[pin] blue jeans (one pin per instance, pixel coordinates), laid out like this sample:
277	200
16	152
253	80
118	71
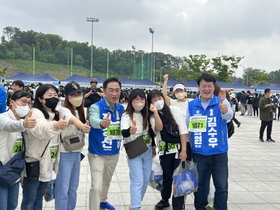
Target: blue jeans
9	197
139	172
33	193
67	181
217	166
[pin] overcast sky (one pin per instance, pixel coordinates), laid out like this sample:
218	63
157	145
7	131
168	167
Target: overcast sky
248	28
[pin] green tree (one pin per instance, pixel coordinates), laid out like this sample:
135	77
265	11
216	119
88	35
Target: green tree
224	66
3	72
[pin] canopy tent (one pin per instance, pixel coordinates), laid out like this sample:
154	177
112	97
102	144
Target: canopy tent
236	86
261	87
83	81
2	78
137	83
28	78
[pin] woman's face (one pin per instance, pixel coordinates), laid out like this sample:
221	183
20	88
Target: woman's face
156	98
138	99
23	101
77	94
50	93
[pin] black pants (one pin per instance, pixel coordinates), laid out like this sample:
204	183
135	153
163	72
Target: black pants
169	164
265	124
256	111
278	113
234	119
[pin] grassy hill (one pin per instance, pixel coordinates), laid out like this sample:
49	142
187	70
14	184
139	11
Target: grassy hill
56	70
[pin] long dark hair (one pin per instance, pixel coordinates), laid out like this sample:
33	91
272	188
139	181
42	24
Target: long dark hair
40	94
80	109
165	113
144	112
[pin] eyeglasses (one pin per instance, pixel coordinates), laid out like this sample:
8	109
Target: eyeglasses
25	102
93	82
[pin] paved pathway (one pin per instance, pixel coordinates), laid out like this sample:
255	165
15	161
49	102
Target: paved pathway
254	180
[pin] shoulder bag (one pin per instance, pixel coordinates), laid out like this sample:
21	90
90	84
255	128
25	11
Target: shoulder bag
74	142
135	147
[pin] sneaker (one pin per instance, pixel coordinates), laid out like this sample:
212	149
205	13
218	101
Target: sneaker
261	139
106	205
270	140
238	125
162	205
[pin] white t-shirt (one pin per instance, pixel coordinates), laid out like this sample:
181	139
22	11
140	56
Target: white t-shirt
71	129
181	105
126	122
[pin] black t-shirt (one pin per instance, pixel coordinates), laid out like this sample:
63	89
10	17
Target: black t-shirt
250	99
93	97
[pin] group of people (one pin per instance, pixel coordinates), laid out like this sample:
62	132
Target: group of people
43	130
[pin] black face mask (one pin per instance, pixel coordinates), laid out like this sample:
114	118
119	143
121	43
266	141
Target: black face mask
51	102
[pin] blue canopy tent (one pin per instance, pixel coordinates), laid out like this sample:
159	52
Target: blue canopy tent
137	83
236	86
83	81
261	87
28	78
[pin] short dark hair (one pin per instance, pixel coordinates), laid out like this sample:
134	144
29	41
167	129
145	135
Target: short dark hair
18	82
19	94
266	90
112	79
206	77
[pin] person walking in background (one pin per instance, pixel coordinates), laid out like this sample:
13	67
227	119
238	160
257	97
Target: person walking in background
11	126
170	154
266	116
234	106
210	142
255	105
136	122
249	102
275	105
17	85
67	180
243	99
38	141
104	143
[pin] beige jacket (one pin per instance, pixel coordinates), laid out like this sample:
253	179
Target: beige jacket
36	140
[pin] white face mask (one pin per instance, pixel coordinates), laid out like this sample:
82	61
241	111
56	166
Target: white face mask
76	101
138	106
180	95
159	104
22	110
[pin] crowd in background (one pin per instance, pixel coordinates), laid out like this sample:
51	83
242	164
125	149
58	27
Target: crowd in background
31	118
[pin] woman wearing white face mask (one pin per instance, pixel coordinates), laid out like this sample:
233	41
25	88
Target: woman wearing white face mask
181	100
170	154
11	126
137	122
67	179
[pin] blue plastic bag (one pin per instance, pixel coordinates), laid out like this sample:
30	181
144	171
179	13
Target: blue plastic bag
185	178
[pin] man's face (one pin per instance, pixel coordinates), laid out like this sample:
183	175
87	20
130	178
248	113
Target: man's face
16	87
206	90
93	84
112	92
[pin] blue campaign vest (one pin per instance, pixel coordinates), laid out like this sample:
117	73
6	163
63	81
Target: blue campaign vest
99	142
215	139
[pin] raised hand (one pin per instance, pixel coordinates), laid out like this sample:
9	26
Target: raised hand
153	108
222	94
106	121
166	77
61	124
86	127
133	128
223	107
29	122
